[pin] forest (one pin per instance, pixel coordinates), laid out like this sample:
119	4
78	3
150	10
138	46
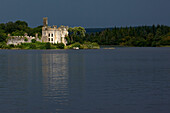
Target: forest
142	36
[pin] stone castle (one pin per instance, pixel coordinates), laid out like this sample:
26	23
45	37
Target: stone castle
49	34
54	34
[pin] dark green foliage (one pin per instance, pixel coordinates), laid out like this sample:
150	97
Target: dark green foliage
10	27
48	46
32	46
18	28
76	34
77	44
89	45
85	45
11	46
60	46
33	31
143	36
68	40
25	39
21	23
33	40
3	36
3	45
18	33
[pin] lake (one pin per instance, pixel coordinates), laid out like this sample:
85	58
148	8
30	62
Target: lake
121	80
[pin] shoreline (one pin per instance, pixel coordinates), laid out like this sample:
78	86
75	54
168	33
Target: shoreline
110	48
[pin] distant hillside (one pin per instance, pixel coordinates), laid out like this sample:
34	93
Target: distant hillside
94	30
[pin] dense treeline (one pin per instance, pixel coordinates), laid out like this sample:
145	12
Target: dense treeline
143	36
18	28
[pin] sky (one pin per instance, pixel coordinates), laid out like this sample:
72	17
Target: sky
87	13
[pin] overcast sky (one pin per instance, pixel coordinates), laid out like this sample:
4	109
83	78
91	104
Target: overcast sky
87	13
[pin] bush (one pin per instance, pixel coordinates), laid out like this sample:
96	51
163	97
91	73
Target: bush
95	45
33	40
60	46
11	46
48	45
26	39
32	46
77	44
2	45
42	47
89	45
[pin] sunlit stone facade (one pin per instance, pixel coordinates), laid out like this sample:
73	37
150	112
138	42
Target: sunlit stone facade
53	34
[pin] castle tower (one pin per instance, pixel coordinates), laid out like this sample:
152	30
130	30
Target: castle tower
45	21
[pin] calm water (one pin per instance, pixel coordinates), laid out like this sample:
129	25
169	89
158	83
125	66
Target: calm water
123	80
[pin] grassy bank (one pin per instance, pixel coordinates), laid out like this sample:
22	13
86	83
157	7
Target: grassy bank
39	45
85	45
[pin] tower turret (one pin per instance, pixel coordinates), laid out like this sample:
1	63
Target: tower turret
45	21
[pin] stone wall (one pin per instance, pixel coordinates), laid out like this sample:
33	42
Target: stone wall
20	39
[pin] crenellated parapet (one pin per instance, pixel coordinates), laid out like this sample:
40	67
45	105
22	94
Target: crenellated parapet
21	39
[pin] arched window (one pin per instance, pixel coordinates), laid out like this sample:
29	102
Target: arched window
49	34
51	39
48	39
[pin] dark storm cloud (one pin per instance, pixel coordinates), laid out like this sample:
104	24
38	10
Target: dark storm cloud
87	13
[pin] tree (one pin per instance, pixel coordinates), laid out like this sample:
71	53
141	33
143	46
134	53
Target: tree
21	23
77	34
18	33
2	26
3	36
10	27
33	40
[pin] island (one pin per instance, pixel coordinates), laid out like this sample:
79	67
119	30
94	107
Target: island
17	35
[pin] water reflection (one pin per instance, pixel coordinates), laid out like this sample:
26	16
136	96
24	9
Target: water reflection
55	78
85	81
40	82
63	79
20	78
